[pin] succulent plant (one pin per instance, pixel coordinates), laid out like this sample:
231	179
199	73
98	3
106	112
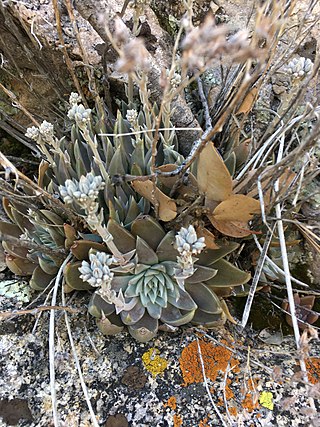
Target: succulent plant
142	275
163	285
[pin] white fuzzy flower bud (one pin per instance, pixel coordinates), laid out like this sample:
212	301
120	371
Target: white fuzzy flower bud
300	67
33	133
46	130
97	273
79	114
132	116
74	98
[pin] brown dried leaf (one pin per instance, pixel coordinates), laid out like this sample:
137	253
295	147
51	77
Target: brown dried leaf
209	238
213	177
231	228
167	206
237	208
248	102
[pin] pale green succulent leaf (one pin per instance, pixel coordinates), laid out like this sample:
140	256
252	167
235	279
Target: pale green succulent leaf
149	230
124	240
166	250
144	253
98	305
154	310
210	256
208	320
205	298
228	275
72	277
173	316
145	329
47	265
134	315
184	302
201	274
40	280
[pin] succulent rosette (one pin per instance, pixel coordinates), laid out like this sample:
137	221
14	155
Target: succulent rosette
170	280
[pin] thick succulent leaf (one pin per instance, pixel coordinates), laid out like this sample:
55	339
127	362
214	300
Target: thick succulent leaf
175	317
213	177
228	275
72	277
167	208
57	237
124	240
149	230
116	166
170	267
137	157
154	310
120	282
98	305
132	212
208	320
231	228
166	250
52	217
145	254
145	329
205	298
8	229
20	266
47	265
108	328
134	315
40	280
209	257
15	250
242	152
237	208
184	302
202	274
22	220
80	249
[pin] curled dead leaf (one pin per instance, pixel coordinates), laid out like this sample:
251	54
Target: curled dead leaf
167	206
213	177
231	228
237	208
209	238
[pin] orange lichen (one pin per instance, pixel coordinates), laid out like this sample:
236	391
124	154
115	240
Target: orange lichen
313	368
215	359
250	402
233	411
177	420
204	422
171	403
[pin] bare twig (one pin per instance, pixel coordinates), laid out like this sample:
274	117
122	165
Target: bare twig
77	362
51	343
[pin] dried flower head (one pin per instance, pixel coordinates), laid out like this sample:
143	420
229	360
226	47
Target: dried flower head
208	42
135	56
121	32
